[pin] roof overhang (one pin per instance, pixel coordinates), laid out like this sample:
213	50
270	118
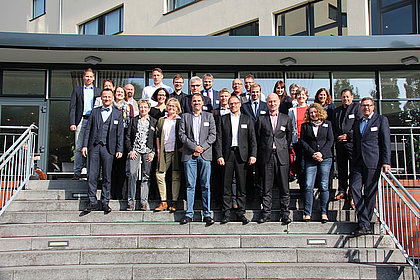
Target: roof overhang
207	50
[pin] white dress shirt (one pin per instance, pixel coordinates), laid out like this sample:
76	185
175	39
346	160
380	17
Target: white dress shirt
235	127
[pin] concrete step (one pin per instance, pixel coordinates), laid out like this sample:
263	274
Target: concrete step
173	228
149	216
59	200
217	255
186	241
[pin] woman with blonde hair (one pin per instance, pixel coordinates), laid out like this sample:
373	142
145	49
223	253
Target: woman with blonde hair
317	138
168	148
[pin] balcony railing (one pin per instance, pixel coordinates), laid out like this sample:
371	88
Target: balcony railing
405	156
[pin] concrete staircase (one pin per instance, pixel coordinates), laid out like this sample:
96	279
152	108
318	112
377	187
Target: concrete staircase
44	235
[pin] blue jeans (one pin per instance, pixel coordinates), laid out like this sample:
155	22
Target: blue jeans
204	167
322	169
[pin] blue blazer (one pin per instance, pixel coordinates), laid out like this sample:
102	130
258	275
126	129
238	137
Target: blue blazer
115	137
216	101
77	103
374	147
247	110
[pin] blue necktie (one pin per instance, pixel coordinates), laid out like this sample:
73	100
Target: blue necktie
363	126
255	108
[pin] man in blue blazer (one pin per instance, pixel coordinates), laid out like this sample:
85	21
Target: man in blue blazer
197	132
371	154
104	140
255	107
81	104
208	90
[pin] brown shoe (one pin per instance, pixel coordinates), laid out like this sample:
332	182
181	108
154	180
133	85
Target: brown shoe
162	206
235	206
75	177
339	196
130	208
352	203
173	207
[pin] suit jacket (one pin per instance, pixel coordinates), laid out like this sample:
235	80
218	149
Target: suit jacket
248	110
285	105
115	135
207	135
282	137
130	137
187	107
351	115
178	97
247	143
77	103
374	147
321	143
216	101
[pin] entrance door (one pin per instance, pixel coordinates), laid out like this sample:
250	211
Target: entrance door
16	112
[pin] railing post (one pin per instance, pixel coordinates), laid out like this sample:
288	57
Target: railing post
380	204
413	155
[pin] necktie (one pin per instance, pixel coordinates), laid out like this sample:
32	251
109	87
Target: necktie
105	109
208	93
363	126
255	108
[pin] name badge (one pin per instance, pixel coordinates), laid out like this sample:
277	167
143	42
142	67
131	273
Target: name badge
374	128
115	121
351	116
282	128
217	101
325	125
205	108
206	124
244	125
263	112
152	128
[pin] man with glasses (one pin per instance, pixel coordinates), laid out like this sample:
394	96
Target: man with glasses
248	81
178	82
371	154
195	87
237	87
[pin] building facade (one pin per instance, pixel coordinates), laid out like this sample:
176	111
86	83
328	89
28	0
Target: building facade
333	44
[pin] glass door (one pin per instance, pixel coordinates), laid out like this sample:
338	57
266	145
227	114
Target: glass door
16	112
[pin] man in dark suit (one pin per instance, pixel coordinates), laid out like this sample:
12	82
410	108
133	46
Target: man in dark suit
209	91
197	132
178	82
237	87
195	87
223	108
236	147
255	106
274	135
371	154
81	105
342	121
104	140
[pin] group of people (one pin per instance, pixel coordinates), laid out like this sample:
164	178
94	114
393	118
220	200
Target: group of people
277	137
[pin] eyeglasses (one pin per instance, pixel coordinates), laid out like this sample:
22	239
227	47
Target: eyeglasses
195	85
367	105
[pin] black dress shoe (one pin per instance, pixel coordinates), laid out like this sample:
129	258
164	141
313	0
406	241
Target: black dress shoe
208	220
243	219
106	209
185	220
362	231
225	220
91	207
286	220
263	220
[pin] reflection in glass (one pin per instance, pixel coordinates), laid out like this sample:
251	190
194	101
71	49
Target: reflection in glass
310	80
91	28
402	113
292	22
23	82
400	84
121	78
325	12
112	22
361	84
398	21
63	82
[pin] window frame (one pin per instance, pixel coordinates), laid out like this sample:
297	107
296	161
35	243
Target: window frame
102	23
172	2
255	25
34	15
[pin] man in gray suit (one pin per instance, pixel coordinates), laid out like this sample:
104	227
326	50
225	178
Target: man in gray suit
197	132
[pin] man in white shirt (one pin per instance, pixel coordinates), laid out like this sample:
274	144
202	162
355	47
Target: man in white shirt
129	88
157	76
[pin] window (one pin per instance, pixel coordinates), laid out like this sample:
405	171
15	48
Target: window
176	4
38	8
249	29
393	17
23	82
108	24
312	81
362	84
320	18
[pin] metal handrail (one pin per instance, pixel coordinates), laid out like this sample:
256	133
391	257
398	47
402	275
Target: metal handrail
16	166
399	214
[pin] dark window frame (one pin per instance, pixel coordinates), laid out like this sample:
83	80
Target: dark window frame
172	3
101	22
34	15
340	23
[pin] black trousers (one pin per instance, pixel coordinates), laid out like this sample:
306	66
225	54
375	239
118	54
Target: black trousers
99	156
271	170
118	176
364	187
234	166
344	156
